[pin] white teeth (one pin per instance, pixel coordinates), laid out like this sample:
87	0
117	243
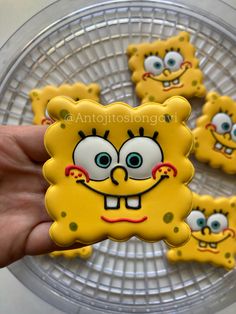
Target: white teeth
111	202
202	244
176	81
228	151
133	202
166	83
213	245
218	145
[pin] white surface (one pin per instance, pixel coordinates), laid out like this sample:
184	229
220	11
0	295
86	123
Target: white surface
14	297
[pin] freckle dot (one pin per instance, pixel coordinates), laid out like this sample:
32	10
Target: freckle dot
198	87
176	229
179	253
197	145
63	214
167	117
233	205
168	217
151	98
181	39
134	50
227	255
194	83
73	226
63	126
63	113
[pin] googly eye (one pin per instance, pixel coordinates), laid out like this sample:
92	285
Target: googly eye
139	155
222	122
233	133
154	65
173	60
96	155
217	222
196	220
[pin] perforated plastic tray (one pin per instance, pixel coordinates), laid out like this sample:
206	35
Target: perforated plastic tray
89	44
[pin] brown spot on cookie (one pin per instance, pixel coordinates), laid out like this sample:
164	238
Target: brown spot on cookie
168	217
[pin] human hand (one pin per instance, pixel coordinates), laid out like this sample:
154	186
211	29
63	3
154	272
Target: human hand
24	222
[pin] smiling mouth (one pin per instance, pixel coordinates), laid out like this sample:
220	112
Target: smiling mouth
206	246
168	84
131	201
226	151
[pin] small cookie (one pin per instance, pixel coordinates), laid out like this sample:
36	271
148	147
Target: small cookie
83	253
41	97
213	225
215	134
113	169
165	68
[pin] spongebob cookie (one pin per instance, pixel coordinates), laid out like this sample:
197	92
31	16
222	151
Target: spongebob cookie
117	171
213	225
41	97
215	134
165	68
83	253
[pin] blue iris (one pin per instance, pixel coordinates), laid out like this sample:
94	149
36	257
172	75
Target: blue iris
134	160
171	62
201	222
103	160
157	65
225	126
215	225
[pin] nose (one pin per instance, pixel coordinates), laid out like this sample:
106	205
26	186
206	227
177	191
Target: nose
206	230
166	71
118	175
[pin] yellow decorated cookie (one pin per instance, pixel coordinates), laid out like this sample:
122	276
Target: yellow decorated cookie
84	253
165	68
41	97
213	225
117	171
215	134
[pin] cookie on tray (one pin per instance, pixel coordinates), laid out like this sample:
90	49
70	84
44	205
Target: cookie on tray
215	133
41	97
166	68
213	229
117	171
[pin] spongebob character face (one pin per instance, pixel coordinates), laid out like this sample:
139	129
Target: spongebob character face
215	135
41	97
213	225
112	171
165	68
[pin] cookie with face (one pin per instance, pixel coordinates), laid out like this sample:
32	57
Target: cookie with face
166	68
83	253
213	229
215	133
117	171
41	97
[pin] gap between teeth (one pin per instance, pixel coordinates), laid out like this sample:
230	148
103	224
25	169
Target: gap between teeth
204	244
113	202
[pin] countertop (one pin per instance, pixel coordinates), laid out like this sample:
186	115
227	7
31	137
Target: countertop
14	297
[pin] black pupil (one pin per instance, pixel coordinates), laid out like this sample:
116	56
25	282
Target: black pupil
104	160
134	160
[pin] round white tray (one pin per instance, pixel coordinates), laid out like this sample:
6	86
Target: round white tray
89	44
